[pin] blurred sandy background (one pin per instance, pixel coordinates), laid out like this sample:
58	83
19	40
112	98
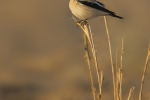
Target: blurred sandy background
42	55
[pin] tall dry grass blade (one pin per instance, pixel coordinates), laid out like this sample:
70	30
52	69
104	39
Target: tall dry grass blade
130	93
117	83
116	60
89	66
119	79
116	73
122	52
101	83
144	73
94	53
87	30
111	59
121	66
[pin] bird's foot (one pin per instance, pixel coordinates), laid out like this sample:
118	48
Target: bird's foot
82	22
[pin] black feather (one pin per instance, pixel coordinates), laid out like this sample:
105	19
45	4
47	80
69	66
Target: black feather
96	6
113	15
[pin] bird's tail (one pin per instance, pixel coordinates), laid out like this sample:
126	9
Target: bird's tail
114	15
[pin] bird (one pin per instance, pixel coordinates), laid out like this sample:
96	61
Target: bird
87	9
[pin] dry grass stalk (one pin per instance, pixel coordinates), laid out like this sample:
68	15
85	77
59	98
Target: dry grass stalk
87	55
87	30
119	74
116	61
144	73
93	49
101	83
130	93
118	90
120	70
111	59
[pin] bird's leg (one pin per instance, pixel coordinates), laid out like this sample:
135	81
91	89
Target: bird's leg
78	22
82	22
85	22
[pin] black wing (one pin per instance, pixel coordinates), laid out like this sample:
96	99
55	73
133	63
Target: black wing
96	5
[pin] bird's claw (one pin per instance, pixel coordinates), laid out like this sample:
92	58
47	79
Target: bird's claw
82	22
